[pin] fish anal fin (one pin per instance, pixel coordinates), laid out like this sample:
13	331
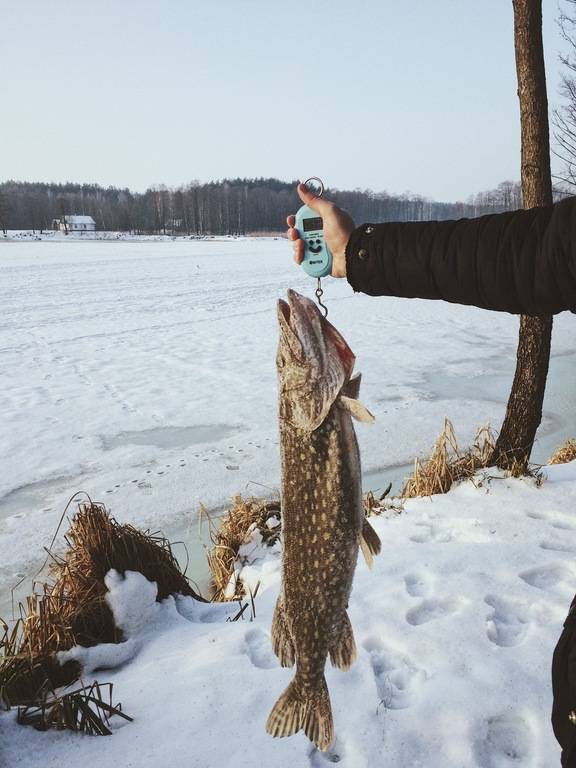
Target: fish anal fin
356	409
370	543
282	644
343	648
294	711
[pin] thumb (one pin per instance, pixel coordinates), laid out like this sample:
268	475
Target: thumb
317	204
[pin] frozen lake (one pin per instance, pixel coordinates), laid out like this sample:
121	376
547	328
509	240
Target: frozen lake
143	373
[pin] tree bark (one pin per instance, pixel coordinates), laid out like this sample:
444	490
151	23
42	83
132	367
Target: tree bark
524	409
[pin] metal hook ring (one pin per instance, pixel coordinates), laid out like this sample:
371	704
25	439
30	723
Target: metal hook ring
319	293
316	178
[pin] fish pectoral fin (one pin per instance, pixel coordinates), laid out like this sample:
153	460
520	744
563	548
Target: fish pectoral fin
312	713
282	644
343	648
356	409
370	543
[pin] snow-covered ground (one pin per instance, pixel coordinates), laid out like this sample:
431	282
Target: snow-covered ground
143	373
455	628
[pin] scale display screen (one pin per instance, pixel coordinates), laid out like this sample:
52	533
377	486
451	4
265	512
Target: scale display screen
312	225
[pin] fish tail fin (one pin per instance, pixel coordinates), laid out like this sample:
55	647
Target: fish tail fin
370	543
282	644
295	710
343	649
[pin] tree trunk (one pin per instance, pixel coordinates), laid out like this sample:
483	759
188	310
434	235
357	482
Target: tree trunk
524	409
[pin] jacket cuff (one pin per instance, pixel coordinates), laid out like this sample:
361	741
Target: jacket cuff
361	261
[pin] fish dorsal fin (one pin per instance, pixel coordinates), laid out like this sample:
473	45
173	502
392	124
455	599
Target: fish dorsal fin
356	409
352	387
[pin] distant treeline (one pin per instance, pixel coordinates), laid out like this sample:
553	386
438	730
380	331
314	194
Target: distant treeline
228	207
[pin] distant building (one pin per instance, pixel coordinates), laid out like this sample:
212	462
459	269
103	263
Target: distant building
74	224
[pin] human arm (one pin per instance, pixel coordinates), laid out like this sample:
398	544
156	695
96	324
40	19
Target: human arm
519	261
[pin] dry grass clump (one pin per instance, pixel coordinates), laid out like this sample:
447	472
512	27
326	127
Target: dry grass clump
84	709
565	453
448	464
235	528
71	608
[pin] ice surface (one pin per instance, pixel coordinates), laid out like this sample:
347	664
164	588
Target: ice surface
143	373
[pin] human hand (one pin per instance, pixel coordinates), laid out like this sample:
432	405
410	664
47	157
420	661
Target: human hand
338	226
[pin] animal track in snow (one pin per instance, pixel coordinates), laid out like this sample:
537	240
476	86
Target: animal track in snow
508	625
430	533
504	741
418	584
397	678
546	576
259	649
431	609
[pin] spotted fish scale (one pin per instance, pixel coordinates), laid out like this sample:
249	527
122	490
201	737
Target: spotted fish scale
323	522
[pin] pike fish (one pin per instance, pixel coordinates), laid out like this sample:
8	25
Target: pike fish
323	522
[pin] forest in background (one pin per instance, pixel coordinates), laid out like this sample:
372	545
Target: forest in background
227	207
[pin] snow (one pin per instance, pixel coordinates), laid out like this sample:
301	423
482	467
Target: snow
455	628
79	219
142	372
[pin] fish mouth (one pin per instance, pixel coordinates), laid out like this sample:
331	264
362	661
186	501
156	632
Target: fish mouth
295	307
307	330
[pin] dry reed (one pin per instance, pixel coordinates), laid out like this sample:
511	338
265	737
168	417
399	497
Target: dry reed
71	609
235	529
565	453
380	505
84	709
448	464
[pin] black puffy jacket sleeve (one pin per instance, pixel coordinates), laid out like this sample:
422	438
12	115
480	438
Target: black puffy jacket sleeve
520	261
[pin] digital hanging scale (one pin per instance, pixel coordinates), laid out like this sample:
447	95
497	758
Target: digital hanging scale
310	227
317	257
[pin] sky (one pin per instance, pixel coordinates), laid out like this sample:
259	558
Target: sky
391	95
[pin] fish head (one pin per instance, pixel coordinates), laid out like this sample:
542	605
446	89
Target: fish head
314	362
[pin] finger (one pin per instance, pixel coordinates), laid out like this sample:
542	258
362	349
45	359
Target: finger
298	249
317	204
291	220
292	234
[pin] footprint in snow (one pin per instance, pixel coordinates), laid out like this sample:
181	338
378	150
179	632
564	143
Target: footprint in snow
431	609
213	613
335	754
555	519
555	545
546	576
563	523
504	741
259	649
430	533
418	584
398	680
344	751
509	622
